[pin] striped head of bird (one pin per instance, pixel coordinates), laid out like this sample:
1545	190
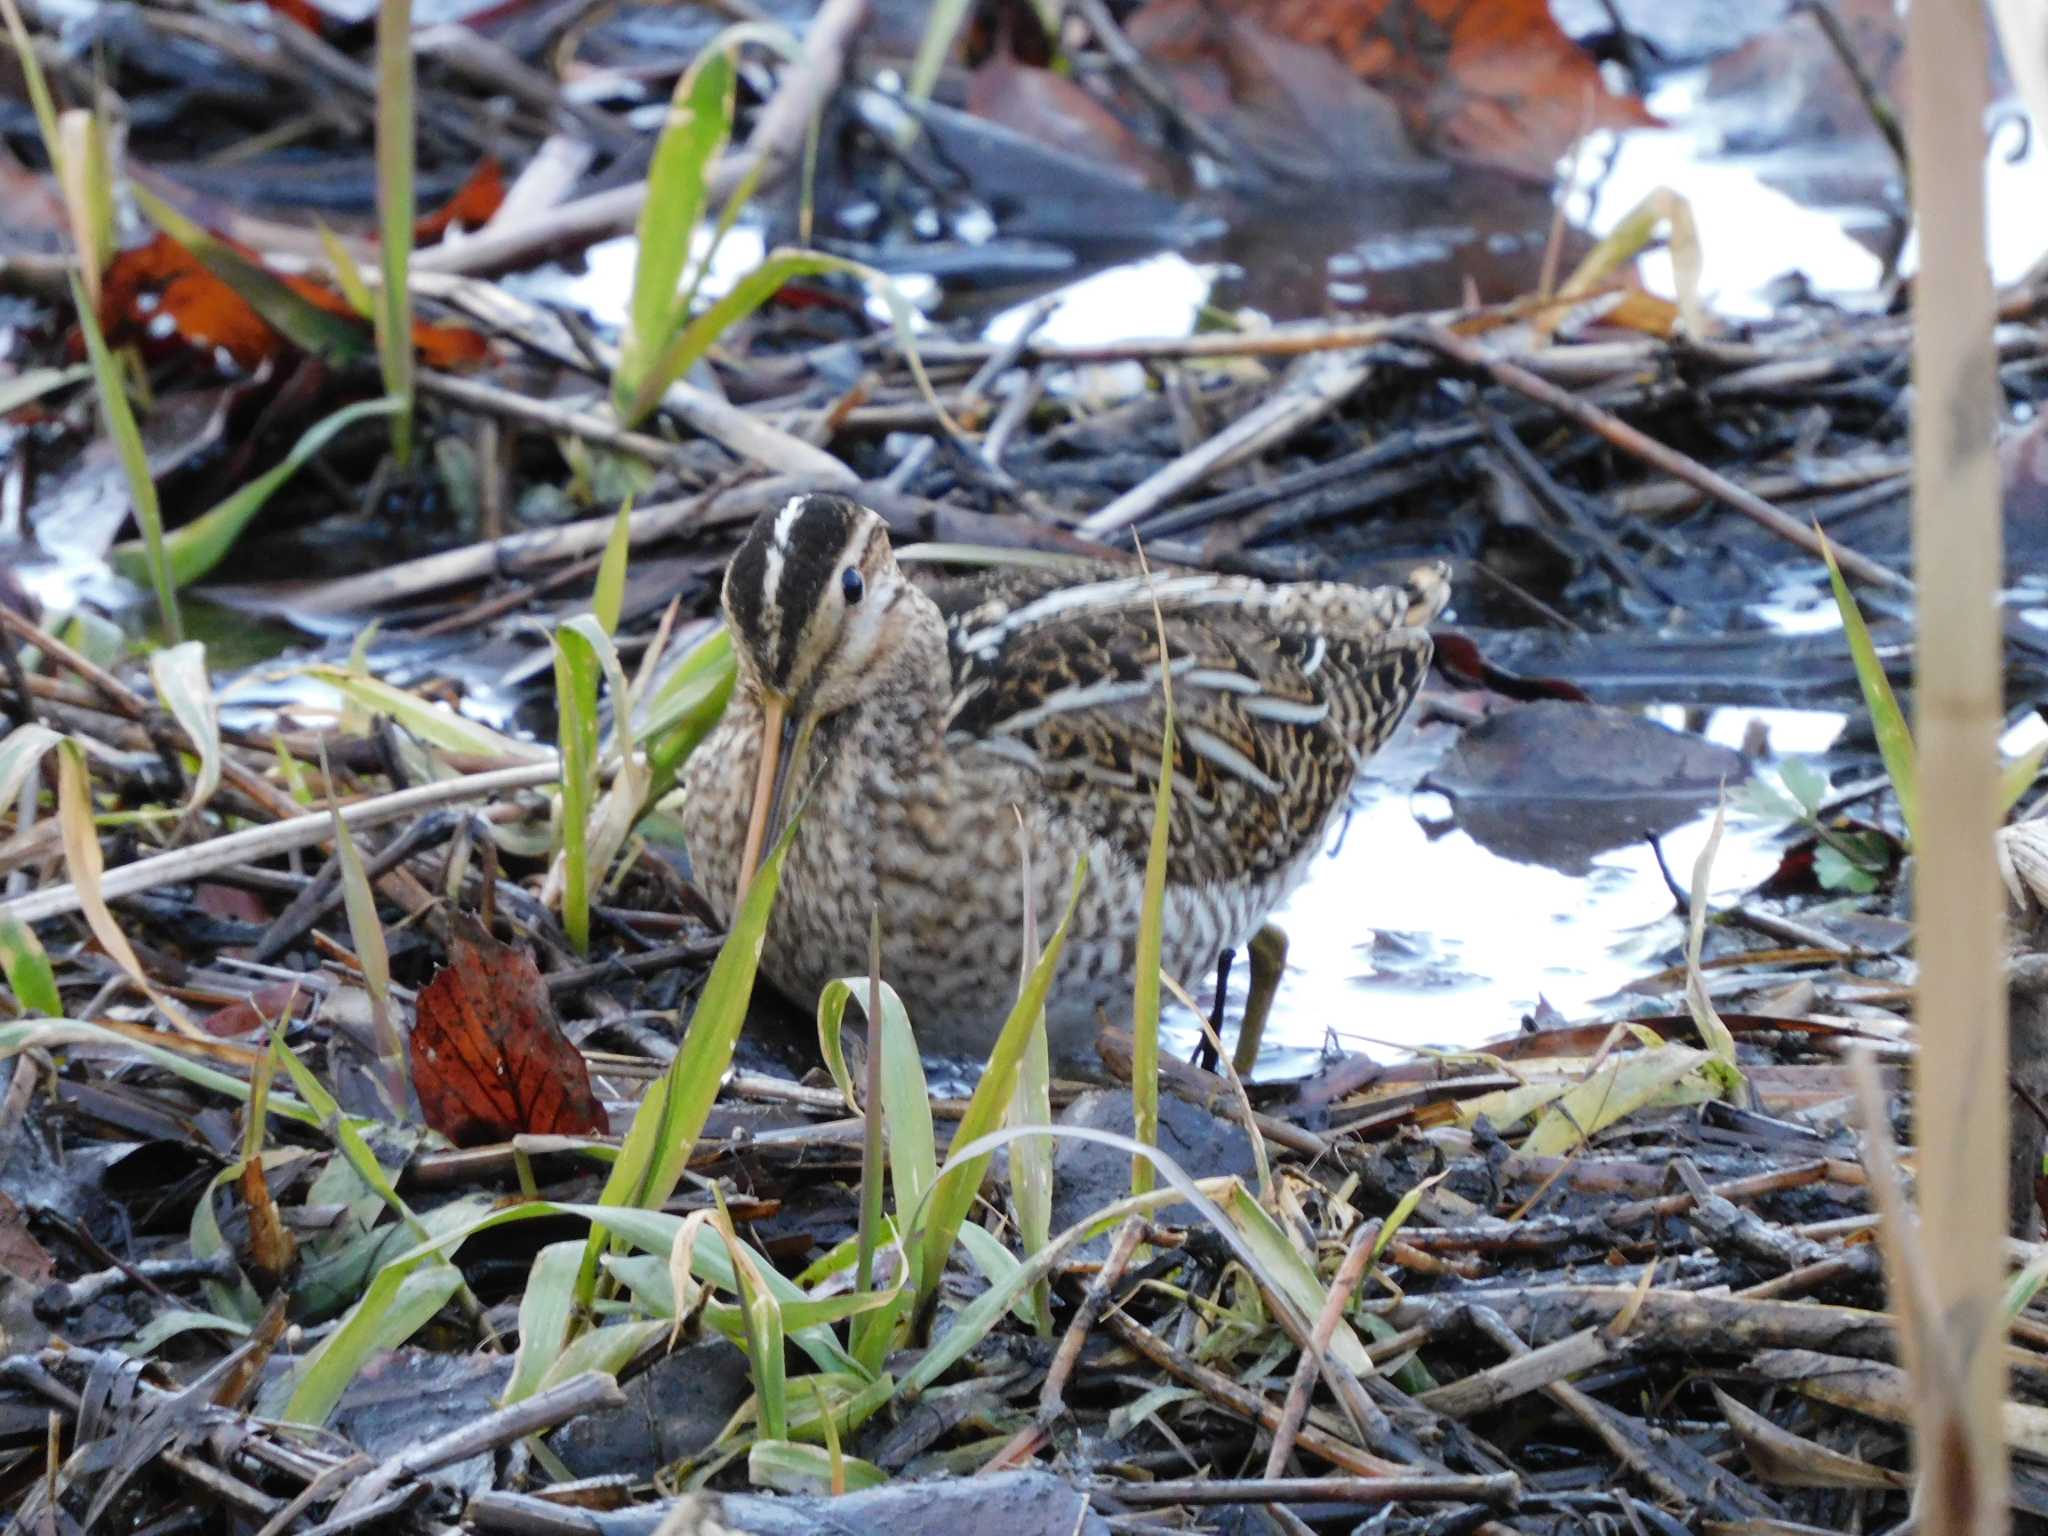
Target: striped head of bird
818	610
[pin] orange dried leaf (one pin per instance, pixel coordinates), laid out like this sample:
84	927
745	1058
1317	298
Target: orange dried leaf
472	206
489	1061
161	296
1498	84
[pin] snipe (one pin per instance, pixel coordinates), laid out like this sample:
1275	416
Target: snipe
938	718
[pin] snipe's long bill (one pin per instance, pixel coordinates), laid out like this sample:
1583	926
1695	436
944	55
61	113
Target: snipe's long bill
942	722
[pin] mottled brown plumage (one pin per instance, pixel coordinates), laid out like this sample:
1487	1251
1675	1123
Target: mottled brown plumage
964	717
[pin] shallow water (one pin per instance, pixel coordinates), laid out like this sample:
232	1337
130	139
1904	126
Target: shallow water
1410	933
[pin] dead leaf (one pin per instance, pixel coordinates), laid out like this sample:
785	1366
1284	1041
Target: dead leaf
472	206
1498	84
20	1254
489	1061
159	296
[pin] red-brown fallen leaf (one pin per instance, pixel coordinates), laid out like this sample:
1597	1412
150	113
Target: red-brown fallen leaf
20	1254
159	295
472	205
1496	84
299	11
1059	114
488	1059
259	1010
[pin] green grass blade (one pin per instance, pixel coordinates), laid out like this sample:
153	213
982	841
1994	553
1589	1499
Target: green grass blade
184	687
120	420
608	1350
684	708
695	339
1282	1268
906	1100
2013	782
545	1311
1145	990
609	598
952	1196
790	1466
347	1139
576	673
400	1301
58	1033
432	723
337	338
1887	720
38	85
200	545
372	954
657	1147
941	31
396	151
27	967
348	277
972	1323
699	123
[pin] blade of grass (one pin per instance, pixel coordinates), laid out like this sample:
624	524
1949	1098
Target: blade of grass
698	124
694	340
200	545
971	1324
366	929
27	968
1887	720
348	277
1151	929
87	866
788	1466
609	597
21	752
546	1308
576	674
120	424
671	1117
1704	1016
184	687
950	1200
1031	1158
60	1033
684	708
396	151
941	31
897	1089
38	86
88	185
430	722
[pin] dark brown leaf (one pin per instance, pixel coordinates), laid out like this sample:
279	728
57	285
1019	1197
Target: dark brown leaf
489	1060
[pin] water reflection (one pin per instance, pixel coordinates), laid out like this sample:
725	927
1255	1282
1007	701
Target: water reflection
1412	934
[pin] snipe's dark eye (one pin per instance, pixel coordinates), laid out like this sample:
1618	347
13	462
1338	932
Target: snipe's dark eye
851	584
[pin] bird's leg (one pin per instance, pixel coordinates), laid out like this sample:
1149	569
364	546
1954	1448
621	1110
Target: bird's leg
1205	1053
1268	955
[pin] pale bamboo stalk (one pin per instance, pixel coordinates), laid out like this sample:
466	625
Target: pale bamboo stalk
1959	1077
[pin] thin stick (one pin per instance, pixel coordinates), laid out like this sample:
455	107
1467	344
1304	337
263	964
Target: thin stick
183	864
1657	455
1295	1409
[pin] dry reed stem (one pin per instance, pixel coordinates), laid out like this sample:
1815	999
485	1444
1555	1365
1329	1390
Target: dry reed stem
1960	1077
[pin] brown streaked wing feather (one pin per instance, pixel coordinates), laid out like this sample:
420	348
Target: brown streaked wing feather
1275	712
